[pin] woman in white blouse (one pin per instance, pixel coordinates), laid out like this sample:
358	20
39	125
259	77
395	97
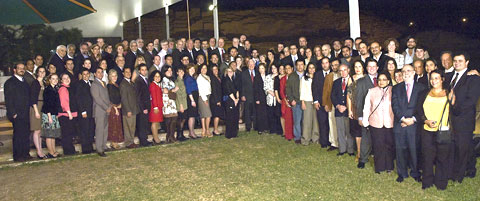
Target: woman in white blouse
204	91
391	45
269	87
310	124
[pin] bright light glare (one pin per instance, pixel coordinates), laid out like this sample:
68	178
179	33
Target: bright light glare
211	7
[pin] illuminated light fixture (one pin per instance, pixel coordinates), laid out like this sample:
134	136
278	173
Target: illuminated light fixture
211	7
410	24
464	19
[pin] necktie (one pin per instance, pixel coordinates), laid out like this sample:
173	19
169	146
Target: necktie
103	84
343	84
146	81
409	88
454	82
375	83
251	75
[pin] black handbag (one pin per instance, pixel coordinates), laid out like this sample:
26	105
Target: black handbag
444	136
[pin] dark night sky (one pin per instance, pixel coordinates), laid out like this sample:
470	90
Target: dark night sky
426	14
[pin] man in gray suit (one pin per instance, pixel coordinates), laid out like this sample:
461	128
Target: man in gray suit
101	108
363	85
130	107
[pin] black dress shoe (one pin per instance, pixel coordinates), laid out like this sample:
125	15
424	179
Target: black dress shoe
324	146
41	158
351	154
425	187
417	179
399	179
102	154
340	154
149	144
471	174
361	165
332	148
298	141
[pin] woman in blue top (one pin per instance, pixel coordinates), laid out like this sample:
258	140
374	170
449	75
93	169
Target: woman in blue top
192	98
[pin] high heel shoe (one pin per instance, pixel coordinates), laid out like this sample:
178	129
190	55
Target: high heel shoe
192	136
41	158
50	156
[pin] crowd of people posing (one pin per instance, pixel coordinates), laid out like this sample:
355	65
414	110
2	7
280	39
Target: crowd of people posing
405	109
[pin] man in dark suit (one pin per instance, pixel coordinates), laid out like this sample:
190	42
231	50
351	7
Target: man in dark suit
148	55
177	55
17	96
57	59
132	55
85	104
190	52
317	92
420	75
291	60
220	51
120	61
143	100
465	93
293	96
79	58
378	55
247	95
349	43
130	108
363	85
339	101
212	45
236	44
404	100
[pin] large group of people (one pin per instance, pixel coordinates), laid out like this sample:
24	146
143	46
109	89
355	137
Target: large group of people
405	109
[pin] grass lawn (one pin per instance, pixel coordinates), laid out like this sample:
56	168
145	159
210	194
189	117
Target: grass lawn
250	167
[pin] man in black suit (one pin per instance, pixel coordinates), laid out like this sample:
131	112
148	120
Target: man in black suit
132	55
143	100
148	55
349	43
292	59
317	92
212	45
247	95
177	55
378	55
190	52
337	49
120	61
85	120
17	96
420	75
236	44
220	51
363	85
404	100
57	59
465	93
79	58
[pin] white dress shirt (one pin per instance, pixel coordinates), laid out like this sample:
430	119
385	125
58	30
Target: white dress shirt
204	87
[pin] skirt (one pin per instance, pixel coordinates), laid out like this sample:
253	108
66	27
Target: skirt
36	124
355	128
217	111
115	132
204	109
50	130
192	111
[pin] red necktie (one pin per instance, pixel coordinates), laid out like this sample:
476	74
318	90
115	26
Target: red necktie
343	84
375	82
251	75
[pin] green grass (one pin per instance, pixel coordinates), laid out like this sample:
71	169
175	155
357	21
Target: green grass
250	167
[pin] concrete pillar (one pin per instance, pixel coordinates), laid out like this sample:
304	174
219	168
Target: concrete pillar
139	26
215	20
354	18
167	22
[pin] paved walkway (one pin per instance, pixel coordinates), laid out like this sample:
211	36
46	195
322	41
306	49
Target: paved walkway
6	132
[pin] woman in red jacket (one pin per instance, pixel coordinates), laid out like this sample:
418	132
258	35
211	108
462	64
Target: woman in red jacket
156	115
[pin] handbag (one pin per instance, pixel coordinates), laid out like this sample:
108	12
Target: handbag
172	95
444	136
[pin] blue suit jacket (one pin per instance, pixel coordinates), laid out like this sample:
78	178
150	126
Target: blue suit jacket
402	108
338	97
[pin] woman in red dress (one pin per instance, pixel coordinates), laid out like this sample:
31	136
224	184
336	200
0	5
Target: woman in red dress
156	105
286	110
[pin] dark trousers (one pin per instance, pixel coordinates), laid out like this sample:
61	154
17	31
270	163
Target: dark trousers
249	115
365	145
67	128
21	138
323	127
86	127
261	115
231	119
406	148
142	128
179	125
463	142
437	155
383	148
274	120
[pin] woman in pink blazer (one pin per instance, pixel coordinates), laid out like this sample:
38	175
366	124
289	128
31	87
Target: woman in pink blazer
378	117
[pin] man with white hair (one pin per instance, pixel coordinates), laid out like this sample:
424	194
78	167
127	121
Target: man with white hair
58	59
132	55
163	51
236	44
140	45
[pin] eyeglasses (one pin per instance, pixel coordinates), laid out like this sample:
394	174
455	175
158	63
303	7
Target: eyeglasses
407	71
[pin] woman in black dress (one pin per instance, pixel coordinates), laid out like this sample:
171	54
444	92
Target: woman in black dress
192	98
260	99
115	131
216	99
230	94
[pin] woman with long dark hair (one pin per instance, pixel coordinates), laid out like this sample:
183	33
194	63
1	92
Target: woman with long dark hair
269	87
169	106
36	100
192	93
309	123
357	72
156	104
204	93
260	99
231	100
216	106
67	114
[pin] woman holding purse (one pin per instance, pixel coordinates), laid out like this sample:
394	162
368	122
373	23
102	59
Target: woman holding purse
169	105
433	110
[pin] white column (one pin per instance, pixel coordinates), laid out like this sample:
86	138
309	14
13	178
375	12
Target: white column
139	26
215	20
167	22
354	18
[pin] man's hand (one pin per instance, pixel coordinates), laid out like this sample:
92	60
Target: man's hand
129	114
244	99
317	106
84	115
145	111
294	103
